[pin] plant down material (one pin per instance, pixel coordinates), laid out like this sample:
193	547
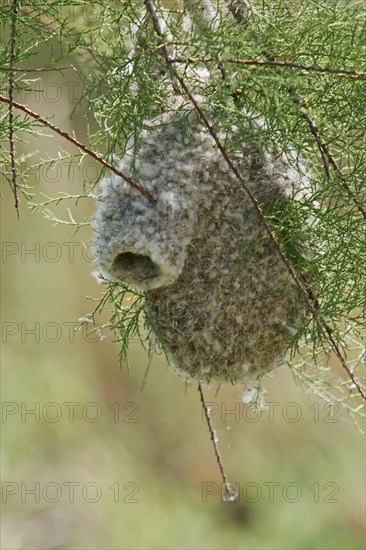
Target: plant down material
219	298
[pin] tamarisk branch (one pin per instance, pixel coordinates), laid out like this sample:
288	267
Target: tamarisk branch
80	145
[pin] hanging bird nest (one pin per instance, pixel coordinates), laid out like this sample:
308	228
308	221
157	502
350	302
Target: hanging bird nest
219	300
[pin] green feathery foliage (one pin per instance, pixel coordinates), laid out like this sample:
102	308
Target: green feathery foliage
316	117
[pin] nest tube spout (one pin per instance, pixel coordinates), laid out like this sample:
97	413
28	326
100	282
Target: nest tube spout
137	244
135	268
144	268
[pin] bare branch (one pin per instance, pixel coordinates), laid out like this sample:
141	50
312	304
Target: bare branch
38	70
310	68
230	495
353	73
81	146
146	374
164	48
327	158
271	61
11	104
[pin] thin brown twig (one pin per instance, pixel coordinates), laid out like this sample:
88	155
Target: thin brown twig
274	239
146	374
326	156
307	297
314	130
342	179
81	146
324	151
353	73
326	159
164	48
11	104
39	70
228	491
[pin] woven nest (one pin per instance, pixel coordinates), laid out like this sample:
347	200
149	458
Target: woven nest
220	300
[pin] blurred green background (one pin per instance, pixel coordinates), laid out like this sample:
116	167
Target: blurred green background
102	465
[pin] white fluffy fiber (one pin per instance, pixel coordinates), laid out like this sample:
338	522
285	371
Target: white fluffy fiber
224	306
